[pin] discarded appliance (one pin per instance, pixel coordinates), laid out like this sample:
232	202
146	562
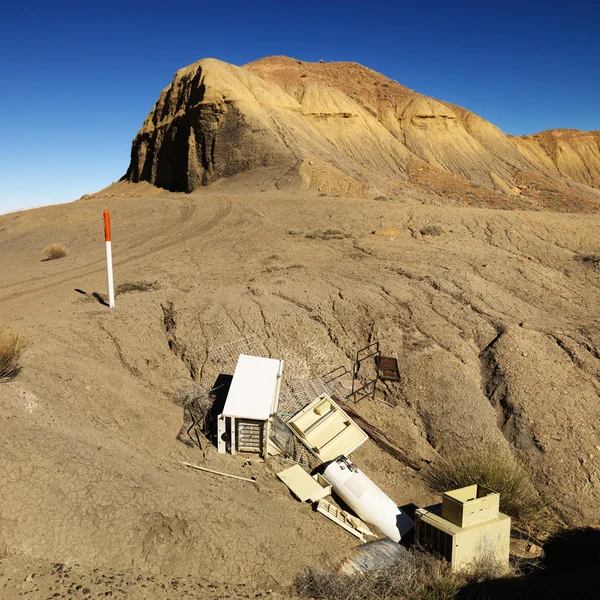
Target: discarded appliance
372	556
366	499
345	520
252	400
326	430
303	486
467	525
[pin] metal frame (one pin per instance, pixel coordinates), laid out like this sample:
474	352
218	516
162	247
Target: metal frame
363	354
329	377
196	419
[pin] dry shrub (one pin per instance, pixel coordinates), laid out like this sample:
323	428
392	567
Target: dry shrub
197	405
327	234
416	576
592	260
136	286
54	251
518	497
434	230
12	345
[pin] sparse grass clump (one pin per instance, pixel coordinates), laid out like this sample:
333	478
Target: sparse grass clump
327	234
417	575
12	345
55	251
136	286
124	288
435	230
518	498
593	260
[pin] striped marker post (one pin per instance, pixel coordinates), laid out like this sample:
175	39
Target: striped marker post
109	269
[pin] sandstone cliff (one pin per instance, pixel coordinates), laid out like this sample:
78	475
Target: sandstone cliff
344	129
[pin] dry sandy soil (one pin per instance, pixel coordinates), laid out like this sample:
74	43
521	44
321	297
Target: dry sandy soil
491	313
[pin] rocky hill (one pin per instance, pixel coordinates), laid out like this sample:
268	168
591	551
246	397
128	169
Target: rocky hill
344	129
342	208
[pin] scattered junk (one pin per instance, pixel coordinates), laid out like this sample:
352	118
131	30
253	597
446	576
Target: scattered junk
367	501
367	389
525	551
326	430
345	520
388	368
252	400
303	486
319	433
465	526
372	556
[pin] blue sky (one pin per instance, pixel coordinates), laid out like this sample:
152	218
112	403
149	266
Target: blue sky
77	79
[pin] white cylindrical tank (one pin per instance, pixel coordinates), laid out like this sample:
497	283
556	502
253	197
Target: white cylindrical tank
366	499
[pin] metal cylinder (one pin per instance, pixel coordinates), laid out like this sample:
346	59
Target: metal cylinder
364	498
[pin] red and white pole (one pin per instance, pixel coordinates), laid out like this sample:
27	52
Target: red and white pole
109	269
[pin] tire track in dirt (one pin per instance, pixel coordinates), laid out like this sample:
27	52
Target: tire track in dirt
189	210
169	240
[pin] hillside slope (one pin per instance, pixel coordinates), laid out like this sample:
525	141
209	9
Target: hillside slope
494	322
341	128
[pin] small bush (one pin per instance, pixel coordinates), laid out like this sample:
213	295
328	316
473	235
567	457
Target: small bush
593	260
12	345
327	234
136	286
434	230
518	497
124	288
54	251
382	198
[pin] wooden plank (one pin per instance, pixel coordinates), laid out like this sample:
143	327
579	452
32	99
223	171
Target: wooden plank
199	468
345	520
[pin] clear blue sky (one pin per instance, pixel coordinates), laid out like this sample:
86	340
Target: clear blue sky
78	78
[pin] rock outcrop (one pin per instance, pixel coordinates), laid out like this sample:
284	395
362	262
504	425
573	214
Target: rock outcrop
342	128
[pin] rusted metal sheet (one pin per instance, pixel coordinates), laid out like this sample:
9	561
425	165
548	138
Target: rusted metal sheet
388	368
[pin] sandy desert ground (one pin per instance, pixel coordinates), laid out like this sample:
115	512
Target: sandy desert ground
492	314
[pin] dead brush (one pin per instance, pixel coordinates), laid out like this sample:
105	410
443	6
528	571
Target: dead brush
434	230
592	260
12	346
136	286
197	406
327	234
518	497
54	251
416	576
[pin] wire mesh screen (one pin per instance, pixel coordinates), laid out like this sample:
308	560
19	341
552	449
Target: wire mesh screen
281	435
225	357
294	395
298	394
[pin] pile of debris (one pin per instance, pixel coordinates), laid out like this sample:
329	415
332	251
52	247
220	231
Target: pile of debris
315	431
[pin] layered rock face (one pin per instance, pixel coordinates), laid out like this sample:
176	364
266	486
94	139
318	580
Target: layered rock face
204	126
340	127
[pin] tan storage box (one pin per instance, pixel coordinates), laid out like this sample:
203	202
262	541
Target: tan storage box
462	546
470	505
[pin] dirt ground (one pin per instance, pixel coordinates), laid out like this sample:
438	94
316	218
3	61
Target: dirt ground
492	316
